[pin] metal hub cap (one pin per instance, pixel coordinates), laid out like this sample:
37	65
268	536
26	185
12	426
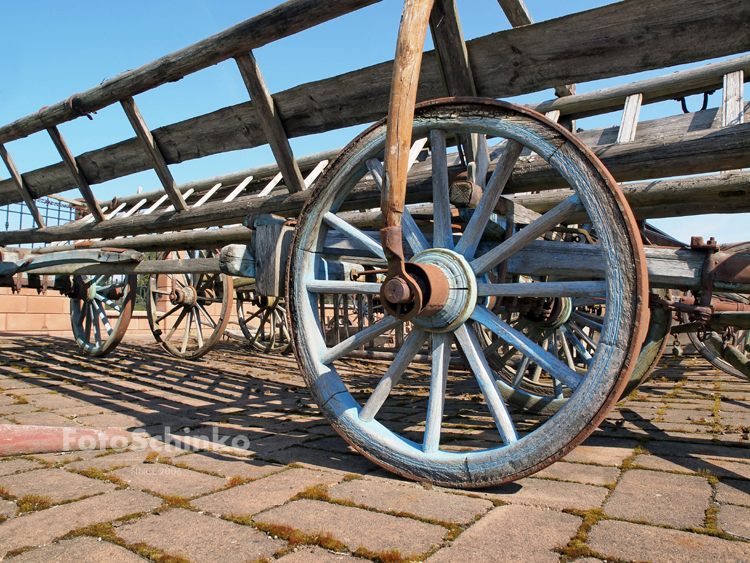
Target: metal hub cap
560	311
462	292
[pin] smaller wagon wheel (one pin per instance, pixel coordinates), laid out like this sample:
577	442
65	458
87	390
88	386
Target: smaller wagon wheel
718	351
91	297
188	312
738	345
263	321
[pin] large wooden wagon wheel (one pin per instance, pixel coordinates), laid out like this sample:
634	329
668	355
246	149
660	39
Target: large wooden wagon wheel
188	312
91	298
263	321
452	284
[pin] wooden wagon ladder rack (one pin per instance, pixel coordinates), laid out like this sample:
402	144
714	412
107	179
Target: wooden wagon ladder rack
22	187
81	182
154	153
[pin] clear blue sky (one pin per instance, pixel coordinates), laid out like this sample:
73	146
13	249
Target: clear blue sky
51	50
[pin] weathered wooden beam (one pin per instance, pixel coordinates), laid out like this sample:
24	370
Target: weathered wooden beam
516	12
270	121
732	104
697	152
518	16
75	173
189	240
282	21
614	40
629	121
450	48
668	87
22	188
680	197
154	153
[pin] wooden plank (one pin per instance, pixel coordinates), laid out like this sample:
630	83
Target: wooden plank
270	121
732	103
189	240
81	183
516	12
518	16
635	36
23	190
154	153
272	244
453	58
629	122
713	193
282	21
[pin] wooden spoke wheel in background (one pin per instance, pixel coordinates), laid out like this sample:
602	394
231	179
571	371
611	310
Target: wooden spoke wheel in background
91	298
188	312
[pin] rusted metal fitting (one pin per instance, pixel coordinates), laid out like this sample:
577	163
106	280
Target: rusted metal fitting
76	105
395	290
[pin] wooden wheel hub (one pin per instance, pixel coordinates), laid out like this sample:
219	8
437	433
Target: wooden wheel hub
183	296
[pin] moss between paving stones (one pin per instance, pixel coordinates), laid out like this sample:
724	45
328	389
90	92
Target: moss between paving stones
106	532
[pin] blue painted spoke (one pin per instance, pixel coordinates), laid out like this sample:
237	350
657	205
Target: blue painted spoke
536	353
441	356
392	376
467	244
359	339
481	370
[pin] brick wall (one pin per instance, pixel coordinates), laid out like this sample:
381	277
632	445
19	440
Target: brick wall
28	312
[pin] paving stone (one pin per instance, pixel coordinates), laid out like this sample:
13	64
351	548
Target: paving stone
551	494
356	527
67	457
735	520
580	473
200	538
602	451
6	400
79	550
107	462
717	467
227	466
19	464
678	415
314	554
43	419
264	493
331	444
57	484
636	542
16	409
319	459
40	528
7	508
659	498
53	401
731	491
117	420
699	450
165	479
411	499
512	534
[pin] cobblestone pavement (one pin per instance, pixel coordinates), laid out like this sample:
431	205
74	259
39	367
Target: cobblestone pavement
232	461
